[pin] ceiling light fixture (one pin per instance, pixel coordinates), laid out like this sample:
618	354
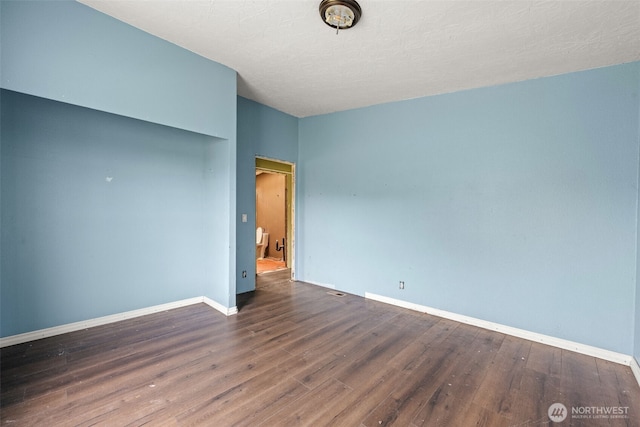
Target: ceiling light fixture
340	14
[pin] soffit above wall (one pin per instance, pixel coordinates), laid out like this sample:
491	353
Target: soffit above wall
288	59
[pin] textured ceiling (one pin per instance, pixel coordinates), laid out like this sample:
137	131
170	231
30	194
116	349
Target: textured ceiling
287	58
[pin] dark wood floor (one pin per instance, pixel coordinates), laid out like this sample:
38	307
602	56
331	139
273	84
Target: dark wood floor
296	355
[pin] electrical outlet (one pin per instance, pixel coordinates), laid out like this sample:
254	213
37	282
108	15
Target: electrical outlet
244	274
401	284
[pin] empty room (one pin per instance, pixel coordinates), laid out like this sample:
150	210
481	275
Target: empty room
458	213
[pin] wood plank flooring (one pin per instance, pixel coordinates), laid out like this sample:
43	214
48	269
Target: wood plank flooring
296	355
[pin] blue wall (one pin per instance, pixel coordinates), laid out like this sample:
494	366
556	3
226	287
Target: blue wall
78	246
637	308
263	132
67	52
514	204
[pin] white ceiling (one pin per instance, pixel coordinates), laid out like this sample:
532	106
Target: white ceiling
287	58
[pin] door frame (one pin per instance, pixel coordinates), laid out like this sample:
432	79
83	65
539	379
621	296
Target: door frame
287	169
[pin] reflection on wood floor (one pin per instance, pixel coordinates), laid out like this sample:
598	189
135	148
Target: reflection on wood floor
295	354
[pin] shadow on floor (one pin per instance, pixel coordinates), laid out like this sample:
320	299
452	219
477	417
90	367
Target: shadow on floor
263	280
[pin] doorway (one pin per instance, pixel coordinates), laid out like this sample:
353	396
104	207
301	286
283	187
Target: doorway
274	216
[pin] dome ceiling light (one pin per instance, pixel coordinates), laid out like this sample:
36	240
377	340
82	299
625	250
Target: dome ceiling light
340	14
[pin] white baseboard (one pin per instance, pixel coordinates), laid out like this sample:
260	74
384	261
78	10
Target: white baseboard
635	368
221	308
323	285
600	353
85	324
